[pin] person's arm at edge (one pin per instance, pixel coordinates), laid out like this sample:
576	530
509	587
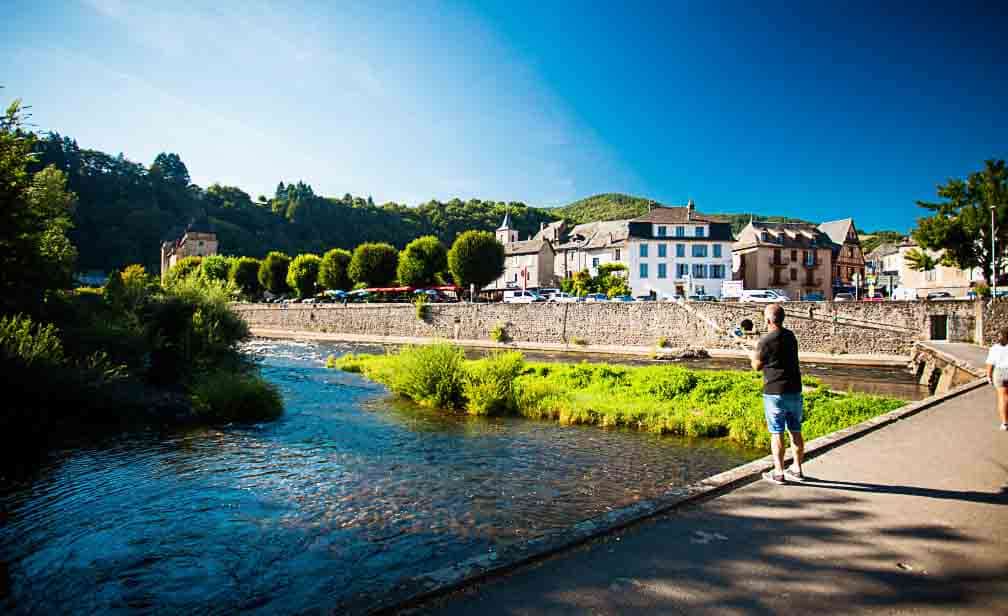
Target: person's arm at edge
756	357
991	360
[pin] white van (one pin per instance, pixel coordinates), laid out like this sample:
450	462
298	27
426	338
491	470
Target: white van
762	296
904	294
522	297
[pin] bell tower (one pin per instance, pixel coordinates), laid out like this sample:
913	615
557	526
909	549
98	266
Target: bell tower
505	234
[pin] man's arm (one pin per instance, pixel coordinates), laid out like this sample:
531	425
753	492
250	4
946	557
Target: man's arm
756	358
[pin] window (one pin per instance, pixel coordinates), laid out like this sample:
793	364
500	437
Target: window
765	236
717	271
661	251
717	251
661	271
794	255
682	270
699	250
680	231
616	254
699	232
794	274
643	250
662	229
699	270
595	261
809	258
643	270
680	250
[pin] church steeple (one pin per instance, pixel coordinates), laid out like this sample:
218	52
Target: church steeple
505	234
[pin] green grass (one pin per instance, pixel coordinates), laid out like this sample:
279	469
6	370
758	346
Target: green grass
660	399
227	396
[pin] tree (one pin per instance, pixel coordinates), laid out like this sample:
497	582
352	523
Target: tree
422	261
244	274
333	269
273	272
920	261
302	275
215	267
183	268
373	264
53	206
476	258
961	224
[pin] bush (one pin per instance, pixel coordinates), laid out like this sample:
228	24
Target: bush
373	264
183	268
476	258
422	261
215	267
235	397
662	342
302	275
30	343
489	383
498	333
273	273
244	275
429	375
421	307
333	270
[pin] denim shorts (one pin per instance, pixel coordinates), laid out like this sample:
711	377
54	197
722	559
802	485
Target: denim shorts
783	411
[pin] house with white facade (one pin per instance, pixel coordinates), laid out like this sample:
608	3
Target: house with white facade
528	264
678	251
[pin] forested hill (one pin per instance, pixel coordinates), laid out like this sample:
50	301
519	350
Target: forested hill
125	210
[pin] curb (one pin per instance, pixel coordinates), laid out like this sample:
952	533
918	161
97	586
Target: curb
423	588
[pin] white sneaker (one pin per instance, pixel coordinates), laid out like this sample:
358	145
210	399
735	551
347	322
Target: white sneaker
791	475
1004	426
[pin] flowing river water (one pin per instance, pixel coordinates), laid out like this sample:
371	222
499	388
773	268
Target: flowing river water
346	495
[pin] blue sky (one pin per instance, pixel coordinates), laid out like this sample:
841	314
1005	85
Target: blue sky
785	109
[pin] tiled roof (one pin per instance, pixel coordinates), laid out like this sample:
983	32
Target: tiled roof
524	248
783	234
600	234
675	215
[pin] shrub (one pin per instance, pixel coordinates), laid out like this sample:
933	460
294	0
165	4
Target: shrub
244	275
215	267
333	269
498	333
273	273
476	258
227	396
183	268
489	383
30	343
578	341
421	261
982	290
429	375
302	275
420	306
373	264
662	342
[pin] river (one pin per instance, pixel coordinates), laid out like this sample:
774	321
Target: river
347	494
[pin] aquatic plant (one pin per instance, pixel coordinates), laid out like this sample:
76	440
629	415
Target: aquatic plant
488	387
228	396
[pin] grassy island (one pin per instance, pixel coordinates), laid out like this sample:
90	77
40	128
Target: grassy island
662	399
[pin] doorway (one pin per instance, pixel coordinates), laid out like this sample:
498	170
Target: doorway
939	327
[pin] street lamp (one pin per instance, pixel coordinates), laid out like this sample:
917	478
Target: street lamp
993	258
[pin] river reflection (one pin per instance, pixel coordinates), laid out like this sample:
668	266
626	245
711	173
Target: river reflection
347	494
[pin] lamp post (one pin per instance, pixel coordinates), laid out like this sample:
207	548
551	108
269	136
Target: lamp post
993	258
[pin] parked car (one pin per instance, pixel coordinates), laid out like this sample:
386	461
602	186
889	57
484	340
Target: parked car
813	297
522	297
939	295
904	293
645	298
702	298
621	298
878	297
564	298
843	297
762	296
548	292
360	295
596	297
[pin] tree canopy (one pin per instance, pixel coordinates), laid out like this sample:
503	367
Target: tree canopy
273	272
960	226
333	269
302	275
373	264
422	261
476	258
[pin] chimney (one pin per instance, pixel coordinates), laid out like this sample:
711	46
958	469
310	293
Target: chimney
689	209
650	206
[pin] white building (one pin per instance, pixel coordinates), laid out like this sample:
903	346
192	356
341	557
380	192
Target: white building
591	244
527	264
678	251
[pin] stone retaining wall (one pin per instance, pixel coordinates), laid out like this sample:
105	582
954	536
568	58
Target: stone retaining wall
889	328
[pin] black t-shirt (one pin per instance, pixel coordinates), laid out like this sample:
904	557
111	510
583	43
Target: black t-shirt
778	351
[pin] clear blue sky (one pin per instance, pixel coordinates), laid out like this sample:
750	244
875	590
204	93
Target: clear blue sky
783	109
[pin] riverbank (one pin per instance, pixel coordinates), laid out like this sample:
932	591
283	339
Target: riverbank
660	399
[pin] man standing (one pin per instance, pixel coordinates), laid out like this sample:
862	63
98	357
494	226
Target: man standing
777	356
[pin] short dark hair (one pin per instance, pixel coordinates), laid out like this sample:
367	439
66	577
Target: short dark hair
1003	336
776	314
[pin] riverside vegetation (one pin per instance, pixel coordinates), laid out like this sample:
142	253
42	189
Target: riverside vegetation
134	351
661	399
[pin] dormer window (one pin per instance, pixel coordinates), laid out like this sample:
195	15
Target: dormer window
699	232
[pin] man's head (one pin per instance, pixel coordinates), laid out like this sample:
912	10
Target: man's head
774	315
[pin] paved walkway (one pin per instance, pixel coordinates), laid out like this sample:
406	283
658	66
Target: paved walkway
912	518
972	354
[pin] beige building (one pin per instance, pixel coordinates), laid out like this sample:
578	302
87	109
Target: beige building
795	258
942	278
527	264
198	240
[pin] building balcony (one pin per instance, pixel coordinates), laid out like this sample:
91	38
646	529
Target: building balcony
779	262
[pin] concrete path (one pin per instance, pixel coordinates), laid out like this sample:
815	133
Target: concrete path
912	518
972	354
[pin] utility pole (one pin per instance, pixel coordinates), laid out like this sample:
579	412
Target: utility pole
993	258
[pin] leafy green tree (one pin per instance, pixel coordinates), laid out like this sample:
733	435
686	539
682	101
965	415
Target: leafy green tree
215	267
302	275
53	206
333	270
920	261
183	268
273	272
476	258
373	264
244	274
961	224
421	262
